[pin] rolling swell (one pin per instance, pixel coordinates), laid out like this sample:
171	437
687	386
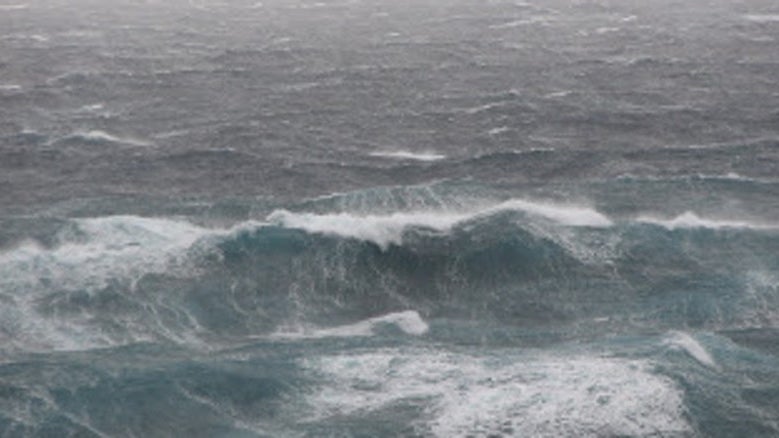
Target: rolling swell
124	279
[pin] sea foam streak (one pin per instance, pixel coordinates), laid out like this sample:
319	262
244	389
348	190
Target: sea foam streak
15	7
382	230
388	229
409	322
102	136
692	220
762	18
406	155
464	395
684	341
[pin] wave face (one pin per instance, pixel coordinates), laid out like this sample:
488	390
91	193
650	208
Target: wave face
525	263
377	218
385	304
445	314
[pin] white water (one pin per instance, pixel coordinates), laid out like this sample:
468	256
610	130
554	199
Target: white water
98	249
382	230
92	254
762	18
387	229
406	155
97	135
463	395
15	7
692	220
410	322
685	342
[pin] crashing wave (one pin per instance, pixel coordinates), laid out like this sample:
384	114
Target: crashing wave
388	229
692	220
463	395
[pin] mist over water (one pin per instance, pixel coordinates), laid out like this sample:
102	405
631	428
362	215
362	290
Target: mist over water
422	218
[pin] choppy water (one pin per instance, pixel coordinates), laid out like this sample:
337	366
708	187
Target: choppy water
428	218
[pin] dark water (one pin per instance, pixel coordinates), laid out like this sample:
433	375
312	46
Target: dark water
444	218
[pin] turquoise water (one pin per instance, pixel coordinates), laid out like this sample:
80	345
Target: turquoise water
370	219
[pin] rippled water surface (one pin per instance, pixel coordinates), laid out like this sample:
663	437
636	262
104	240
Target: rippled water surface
374	218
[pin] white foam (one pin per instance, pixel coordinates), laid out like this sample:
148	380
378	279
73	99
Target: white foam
92	254
382	230
516	395
762	18
566	214
536	19
684	341
15	7
760	296
409	322
692	220
10	87
94	108
499	130
486	107
407	155
97	135
604	30
99	249
387	229
561	93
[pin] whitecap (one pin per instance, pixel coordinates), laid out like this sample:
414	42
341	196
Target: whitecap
499	130
93	108
522	22
409	322
382	230
692	220
561	93
102	136
92	254
517	395
605	30
407	155
685	342
482	108
762	18
15	7
388	229
98	249
565	214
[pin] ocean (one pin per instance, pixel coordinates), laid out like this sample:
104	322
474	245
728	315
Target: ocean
376	218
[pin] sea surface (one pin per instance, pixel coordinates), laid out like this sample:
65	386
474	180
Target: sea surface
389	218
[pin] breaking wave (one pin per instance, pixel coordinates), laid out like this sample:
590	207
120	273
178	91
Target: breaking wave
461	395
387	229
314	275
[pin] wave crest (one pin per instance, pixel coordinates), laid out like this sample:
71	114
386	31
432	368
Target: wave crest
388	229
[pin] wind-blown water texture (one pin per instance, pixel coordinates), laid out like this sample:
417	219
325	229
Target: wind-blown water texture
444	218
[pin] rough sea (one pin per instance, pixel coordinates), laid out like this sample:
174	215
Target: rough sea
389	218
